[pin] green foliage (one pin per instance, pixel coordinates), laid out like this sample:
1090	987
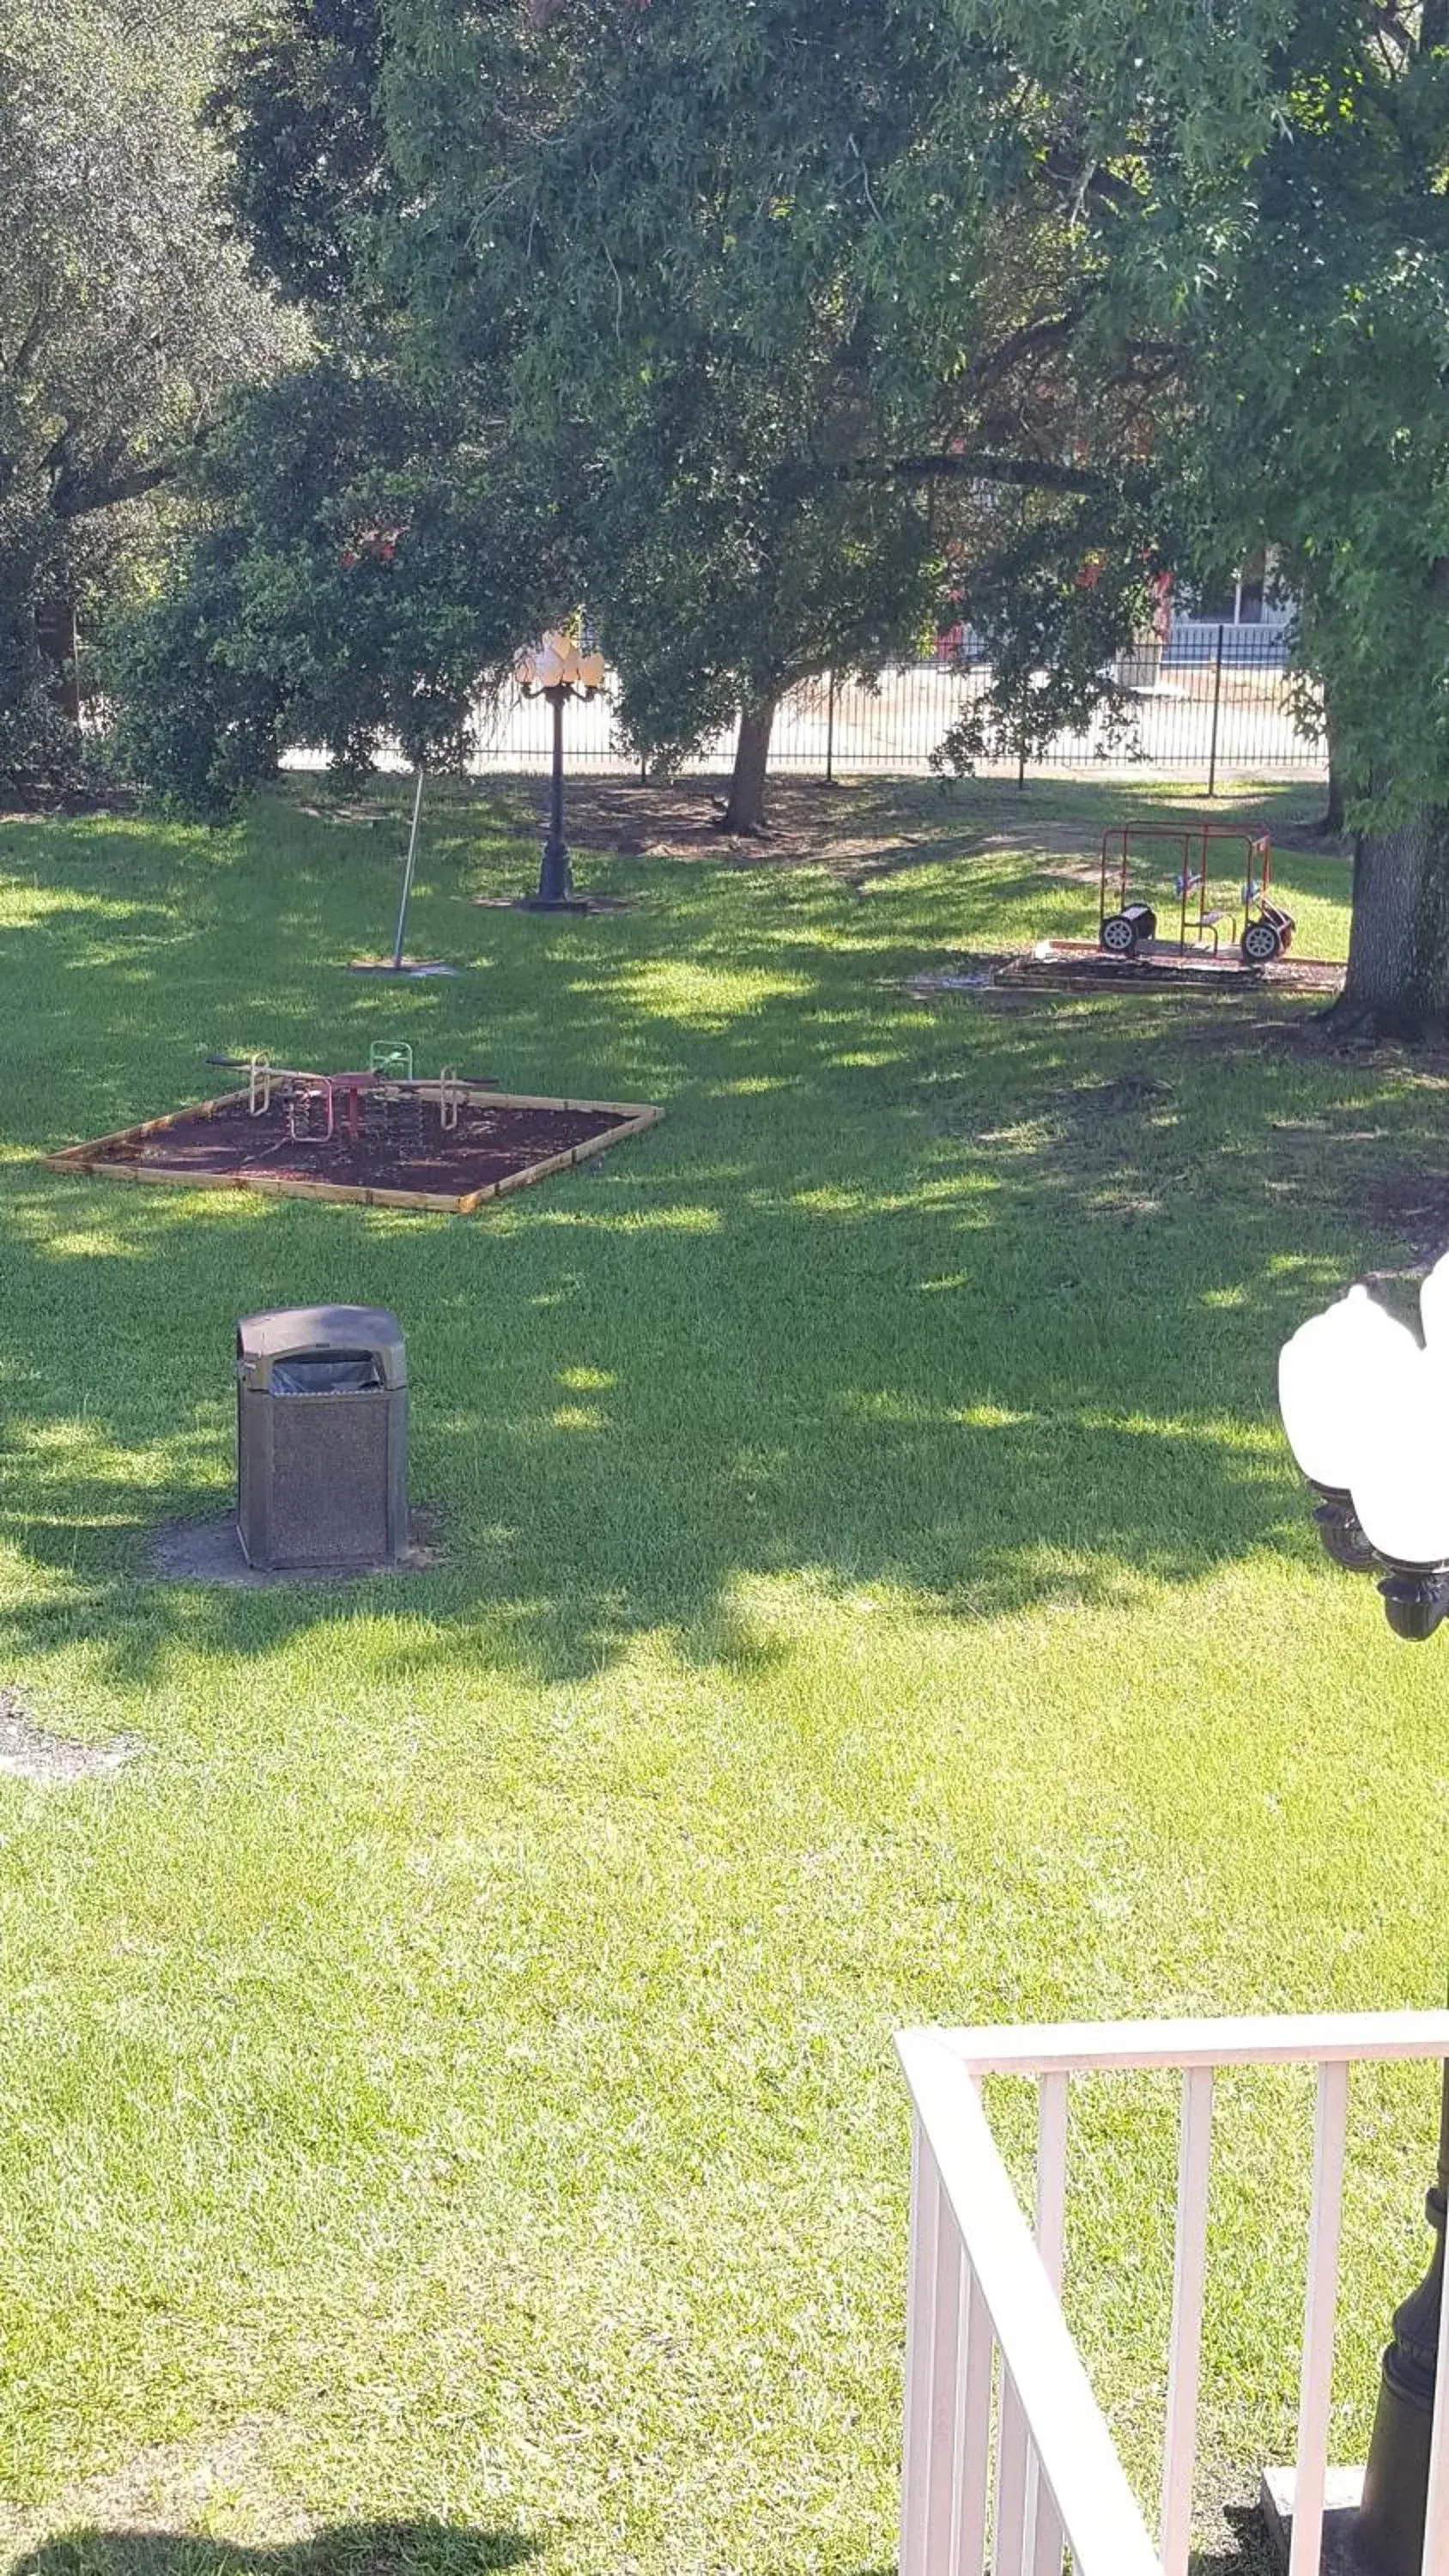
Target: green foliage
123	315
741	287
1281	220
723	566
1053	591
358	573
296	107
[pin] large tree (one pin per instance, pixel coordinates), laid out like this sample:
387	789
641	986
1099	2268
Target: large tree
124	317
1276	212
352	570
744	288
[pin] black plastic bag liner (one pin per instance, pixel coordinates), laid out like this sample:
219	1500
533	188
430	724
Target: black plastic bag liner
327	1373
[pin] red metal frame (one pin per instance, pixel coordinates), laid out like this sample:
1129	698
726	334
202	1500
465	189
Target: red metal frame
1192	878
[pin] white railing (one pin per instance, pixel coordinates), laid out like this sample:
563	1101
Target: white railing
1010	2472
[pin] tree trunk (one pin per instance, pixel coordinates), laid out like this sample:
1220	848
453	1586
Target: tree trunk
56	643
1398	953
1330	821
745	808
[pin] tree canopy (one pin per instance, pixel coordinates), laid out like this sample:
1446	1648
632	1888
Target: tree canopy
751	294
124	317
351	569
1280	217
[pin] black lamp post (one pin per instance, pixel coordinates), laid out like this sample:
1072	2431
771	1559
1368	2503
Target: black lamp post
1366	1410
557	670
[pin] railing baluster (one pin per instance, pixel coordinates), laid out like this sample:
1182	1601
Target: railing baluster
1316	2386
935	2344
1051	2174
1179	2452
1044	2523
980	2287
920	2286
972	2472
941	2407
1011	2468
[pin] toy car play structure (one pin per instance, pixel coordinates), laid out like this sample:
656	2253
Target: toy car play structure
1261	930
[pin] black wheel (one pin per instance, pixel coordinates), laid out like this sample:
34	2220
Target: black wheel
1260	943
1118	935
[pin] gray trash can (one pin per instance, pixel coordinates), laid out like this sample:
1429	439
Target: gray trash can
321	1437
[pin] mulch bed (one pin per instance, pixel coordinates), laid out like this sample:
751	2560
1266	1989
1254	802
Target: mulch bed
404	1156
1077	962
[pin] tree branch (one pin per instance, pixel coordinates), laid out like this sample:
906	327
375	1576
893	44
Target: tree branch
1033	340
1028	474
76	496
1093	183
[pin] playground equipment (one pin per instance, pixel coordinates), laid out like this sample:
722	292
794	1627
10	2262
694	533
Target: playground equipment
1130	930
384	1101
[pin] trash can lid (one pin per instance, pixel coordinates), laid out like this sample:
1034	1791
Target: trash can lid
285	1332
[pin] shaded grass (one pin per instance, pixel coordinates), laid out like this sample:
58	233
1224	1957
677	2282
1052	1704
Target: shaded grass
448	2083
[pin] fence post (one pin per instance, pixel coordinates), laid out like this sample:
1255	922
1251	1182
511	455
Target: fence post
830	728
1217	700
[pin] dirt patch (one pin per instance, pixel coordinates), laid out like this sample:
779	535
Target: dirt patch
857	832
1414	1205
582	904
31	1752
210	1552
173	2488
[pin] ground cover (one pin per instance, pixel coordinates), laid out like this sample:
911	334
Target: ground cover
449	2115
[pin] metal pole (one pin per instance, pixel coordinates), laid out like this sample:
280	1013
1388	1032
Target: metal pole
1217	699
1389	2531
407	883
830	732
555	881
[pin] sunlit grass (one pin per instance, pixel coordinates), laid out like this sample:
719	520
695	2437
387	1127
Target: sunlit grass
450	2076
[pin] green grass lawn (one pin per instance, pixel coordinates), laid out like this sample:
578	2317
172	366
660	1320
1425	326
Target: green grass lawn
447	2080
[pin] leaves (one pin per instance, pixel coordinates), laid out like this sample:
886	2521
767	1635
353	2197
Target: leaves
124	317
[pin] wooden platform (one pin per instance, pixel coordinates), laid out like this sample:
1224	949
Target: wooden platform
502	1141
1072	963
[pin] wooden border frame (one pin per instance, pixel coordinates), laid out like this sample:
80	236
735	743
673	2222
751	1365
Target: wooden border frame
631	1118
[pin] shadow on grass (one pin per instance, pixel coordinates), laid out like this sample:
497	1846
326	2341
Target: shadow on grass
344	2549
1246	2552
982	1307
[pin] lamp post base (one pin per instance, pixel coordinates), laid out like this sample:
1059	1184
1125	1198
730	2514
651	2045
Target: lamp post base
555	878
1390	2524
1343	2489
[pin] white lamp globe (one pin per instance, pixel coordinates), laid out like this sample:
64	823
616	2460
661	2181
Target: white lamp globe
1336	1376
1401	1479
1434	1309
591	670
547	665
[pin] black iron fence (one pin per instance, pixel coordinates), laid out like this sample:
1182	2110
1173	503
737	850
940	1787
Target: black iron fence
1214	701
